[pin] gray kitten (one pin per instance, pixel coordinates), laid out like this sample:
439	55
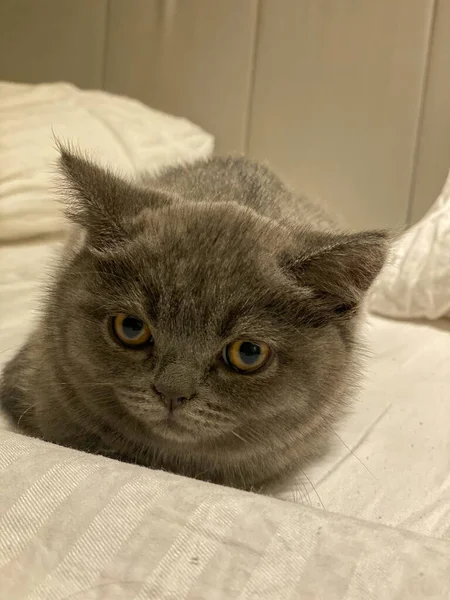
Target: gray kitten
204	322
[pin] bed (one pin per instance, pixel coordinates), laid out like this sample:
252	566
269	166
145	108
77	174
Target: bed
371	520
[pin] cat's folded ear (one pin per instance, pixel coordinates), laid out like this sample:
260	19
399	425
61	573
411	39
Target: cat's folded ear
336	270
104	204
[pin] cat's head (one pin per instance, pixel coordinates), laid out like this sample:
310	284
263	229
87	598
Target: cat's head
210	322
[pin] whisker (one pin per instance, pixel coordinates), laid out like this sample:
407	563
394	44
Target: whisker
11	348
105	384
25	412
255	435
302	490
316	492
239	437
100	273
351	452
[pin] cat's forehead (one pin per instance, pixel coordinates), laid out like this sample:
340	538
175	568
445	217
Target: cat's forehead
197	267
210	240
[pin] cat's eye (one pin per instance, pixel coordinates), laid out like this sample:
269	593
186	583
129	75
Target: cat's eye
246	356
131	331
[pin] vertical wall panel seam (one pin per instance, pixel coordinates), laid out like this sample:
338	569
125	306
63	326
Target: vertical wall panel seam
105	44
252	75
421	112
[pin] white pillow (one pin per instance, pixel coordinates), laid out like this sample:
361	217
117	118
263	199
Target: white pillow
416	282
115	130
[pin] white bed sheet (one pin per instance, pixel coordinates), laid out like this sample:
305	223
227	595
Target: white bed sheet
393	463
83	527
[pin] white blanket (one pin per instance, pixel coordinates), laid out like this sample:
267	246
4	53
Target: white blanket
415	283
80	527
116	131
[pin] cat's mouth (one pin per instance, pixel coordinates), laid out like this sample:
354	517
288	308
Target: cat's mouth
173	427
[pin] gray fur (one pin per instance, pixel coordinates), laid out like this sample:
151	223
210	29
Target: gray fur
207	254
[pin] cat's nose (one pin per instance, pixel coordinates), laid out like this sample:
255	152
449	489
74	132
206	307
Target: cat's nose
172	396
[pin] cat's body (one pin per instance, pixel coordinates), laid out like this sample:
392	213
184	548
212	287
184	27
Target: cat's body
205	255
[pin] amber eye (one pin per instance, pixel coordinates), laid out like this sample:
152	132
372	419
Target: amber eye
246	356
131	330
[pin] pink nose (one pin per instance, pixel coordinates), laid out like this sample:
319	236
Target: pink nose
172	397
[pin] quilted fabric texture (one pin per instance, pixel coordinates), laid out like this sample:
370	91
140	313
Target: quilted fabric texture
416	282
81	527
115	130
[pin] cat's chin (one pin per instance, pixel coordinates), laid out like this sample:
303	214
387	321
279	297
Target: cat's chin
172	430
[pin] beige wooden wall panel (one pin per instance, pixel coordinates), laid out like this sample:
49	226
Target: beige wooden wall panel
433	156
337	97
187	57
51	40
